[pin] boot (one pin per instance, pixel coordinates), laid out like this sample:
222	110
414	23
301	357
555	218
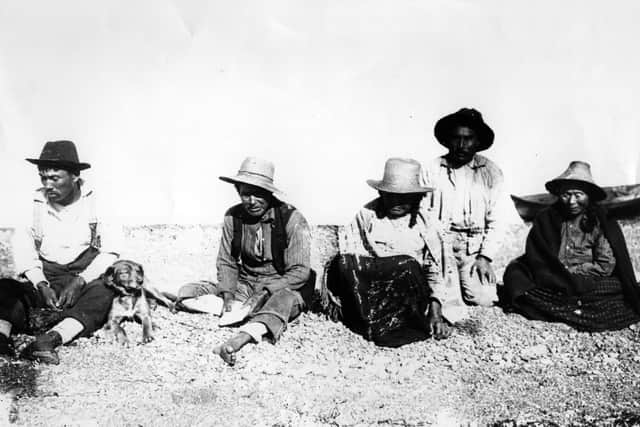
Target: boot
43	349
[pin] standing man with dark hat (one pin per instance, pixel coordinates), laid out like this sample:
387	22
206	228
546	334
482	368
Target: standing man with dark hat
468	192
263	263
61	256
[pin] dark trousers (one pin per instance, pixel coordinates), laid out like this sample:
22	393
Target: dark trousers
18	300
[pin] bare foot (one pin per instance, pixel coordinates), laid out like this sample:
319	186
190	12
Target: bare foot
228	350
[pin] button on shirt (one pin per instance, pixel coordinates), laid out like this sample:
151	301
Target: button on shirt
586	253
256	267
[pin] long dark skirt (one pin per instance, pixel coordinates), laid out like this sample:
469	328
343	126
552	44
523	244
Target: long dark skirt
601	308
382	299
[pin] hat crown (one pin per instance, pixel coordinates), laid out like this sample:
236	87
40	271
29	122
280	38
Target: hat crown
471	113
257	167
400	176
578	171
59	151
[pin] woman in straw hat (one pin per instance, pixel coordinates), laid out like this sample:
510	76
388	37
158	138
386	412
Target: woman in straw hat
576	267
389	277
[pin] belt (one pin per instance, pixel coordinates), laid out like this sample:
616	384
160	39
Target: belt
468	230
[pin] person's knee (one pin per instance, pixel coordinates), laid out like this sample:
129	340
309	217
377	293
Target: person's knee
482	295
196	289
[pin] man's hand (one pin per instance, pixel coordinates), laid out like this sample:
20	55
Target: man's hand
49	295
228	302
436	325
71	292
482	267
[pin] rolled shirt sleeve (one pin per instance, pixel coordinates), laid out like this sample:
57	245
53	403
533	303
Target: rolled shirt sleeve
26	259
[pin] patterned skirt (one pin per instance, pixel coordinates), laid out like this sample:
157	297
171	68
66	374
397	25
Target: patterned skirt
383	299
602	308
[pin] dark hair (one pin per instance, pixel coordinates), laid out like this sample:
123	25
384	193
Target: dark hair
589	219
415	207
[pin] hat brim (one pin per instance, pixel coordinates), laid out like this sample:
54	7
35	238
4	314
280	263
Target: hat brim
443	127
251	181
59	163
381	186
595	192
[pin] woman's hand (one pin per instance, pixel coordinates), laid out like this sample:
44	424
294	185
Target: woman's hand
437	327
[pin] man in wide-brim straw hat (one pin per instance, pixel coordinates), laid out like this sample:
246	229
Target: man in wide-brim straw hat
263	263
60	259
469	200
576	267
391	261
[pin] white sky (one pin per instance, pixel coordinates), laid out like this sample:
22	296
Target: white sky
162	97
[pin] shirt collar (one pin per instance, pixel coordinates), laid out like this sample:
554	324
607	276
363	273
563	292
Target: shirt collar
476	162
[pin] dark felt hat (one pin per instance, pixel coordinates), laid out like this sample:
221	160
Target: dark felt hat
578	174
61	154
468	117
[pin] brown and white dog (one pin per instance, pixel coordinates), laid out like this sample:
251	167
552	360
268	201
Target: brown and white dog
131	303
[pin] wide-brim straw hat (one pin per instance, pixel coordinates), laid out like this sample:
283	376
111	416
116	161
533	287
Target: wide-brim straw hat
467	117
579	174
61	154
255	171
401	176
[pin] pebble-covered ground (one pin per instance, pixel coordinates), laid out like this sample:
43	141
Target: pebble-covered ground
497	368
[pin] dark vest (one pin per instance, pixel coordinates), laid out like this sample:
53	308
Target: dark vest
279	242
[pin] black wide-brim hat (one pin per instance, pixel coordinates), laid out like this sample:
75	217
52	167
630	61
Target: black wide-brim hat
61	154
467	117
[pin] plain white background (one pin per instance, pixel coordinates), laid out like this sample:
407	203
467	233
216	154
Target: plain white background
162	97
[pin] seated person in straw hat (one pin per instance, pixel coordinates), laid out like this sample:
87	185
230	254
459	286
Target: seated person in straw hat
263	263
61	257
389	276
576	267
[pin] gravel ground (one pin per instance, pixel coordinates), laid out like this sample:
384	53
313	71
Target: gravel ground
496	368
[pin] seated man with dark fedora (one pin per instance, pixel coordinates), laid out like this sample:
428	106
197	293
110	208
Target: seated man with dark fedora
263	263
61	258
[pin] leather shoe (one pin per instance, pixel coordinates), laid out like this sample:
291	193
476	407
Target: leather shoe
43	349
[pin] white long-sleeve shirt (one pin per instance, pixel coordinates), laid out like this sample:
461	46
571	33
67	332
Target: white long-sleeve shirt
61	233
469	198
